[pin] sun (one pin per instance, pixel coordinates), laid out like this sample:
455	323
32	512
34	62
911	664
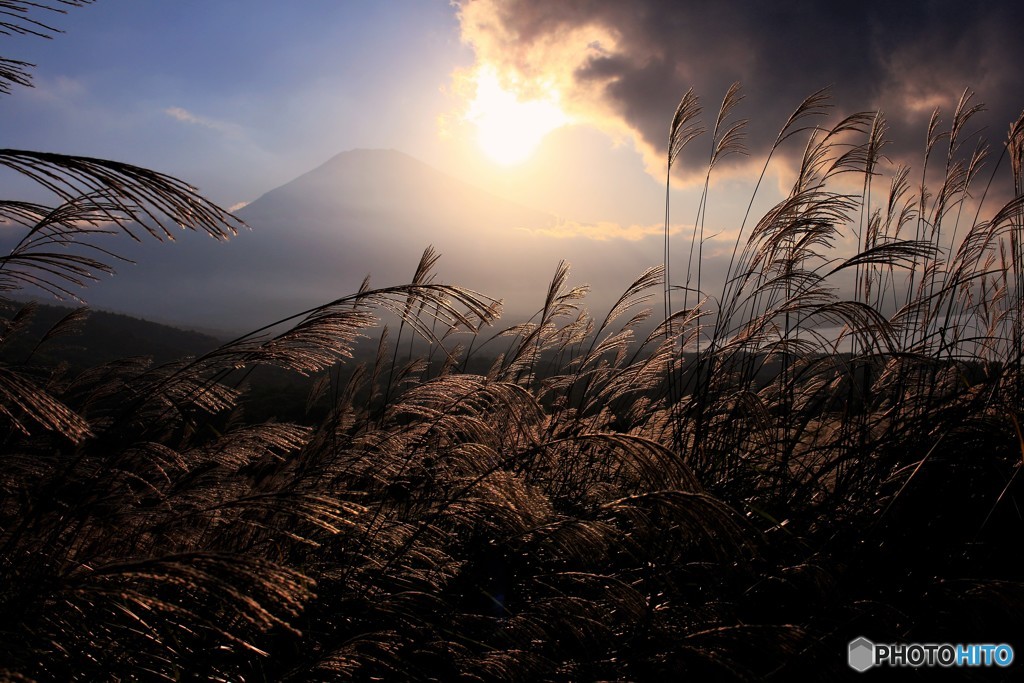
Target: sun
509	129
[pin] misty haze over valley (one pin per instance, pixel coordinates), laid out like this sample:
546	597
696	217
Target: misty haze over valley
363	212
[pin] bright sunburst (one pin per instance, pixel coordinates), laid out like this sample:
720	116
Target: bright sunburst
508	129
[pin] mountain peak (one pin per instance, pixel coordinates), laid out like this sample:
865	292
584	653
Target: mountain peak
363	211
368	171
369	154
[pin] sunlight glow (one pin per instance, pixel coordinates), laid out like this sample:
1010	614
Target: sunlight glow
508	129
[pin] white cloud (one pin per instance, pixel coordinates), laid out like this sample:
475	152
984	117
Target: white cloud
603	231
185	116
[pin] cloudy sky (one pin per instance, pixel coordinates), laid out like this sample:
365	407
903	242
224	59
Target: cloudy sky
561	106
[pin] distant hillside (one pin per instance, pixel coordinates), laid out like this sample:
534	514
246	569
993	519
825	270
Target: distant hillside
98	338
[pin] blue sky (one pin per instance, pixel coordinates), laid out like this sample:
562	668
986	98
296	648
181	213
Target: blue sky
237	97
241	96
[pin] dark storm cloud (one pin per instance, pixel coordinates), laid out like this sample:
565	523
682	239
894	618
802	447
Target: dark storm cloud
903	57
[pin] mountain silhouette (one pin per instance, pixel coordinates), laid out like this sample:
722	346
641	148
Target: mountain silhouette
363	212
97	338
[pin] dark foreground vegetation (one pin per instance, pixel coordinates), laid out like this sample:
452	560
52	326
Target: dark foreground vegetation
595	504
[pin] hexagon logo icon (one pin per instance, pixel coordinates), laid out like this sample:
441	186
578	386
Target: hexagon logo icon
861	654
